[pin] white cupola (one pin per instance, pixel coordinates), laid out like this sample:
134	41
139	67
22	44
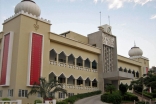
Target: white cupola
28	6
135	51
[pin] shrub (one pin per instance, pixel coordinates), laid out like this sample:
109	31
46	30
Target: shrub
138	88
37	101
142	102
6	99
114	98
61	102
154	95
147	94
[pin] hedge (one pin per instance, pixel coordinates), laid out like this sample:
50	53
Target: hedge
129	97
114	98
6	99
142	102
74	98
37	101
146	94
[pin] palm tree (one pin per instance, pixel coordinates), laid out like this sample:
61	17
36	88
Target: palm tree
45	89
110	88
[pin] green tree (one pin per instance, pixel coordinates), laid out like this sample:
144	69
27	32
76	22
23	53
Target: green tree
110	88
123	88
138	84
45	88
150	80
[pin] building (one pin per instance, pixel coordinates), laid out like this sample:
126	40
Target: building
83	64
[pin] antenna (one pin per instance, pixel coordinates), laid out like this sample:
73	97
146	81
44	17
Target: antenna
109	19
100	18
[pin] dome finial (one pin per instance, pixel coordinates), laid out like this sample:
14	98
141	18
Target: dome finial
134	44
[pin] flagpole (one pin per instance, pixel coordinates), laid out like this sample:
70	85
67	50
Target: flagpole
109	20
100	18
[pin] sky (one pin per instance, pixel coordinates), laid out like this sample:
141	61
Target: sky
131	20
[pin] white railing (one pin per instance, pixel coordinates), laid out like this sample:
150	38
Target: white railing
11	102
53	62
94	88
79	67
80	87
71	66
87	69
88	88
62	64
95	70
71	86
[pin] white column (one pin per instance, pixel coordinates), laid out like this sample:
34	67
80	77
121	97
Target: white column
56	78
91	65
75	82
54	101
84	83
91	84
66	81
75	62
83	63
19	101
66	60
57	58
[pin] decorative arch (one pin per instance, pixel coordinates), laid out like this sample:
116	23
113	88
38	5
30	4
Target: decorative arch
137	74
87	63
120	69
133	73
94	64
129	71
94	83
125	70
87	81
52	76
71	59
80	81
62	57
71	80
79	61
61	78
53	55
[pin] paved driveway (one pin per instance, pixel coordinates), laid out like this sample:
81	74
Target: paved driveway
90	100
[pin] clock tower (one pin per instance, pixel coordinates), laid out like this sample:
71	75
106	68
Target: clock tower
108	57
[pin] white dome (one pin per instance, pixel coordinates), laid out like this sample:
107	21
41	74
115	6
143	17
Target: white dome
28	6
135	51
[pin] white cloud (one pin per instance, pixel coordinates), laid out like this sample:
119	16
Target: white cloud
95	1
119	3
153	17
115	3
142	2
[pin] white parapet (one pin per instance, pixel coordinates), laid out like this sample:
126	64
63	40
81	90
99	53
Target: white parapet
29	15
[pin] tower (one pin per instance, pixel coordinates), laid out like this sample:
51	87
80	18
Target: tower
23	45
